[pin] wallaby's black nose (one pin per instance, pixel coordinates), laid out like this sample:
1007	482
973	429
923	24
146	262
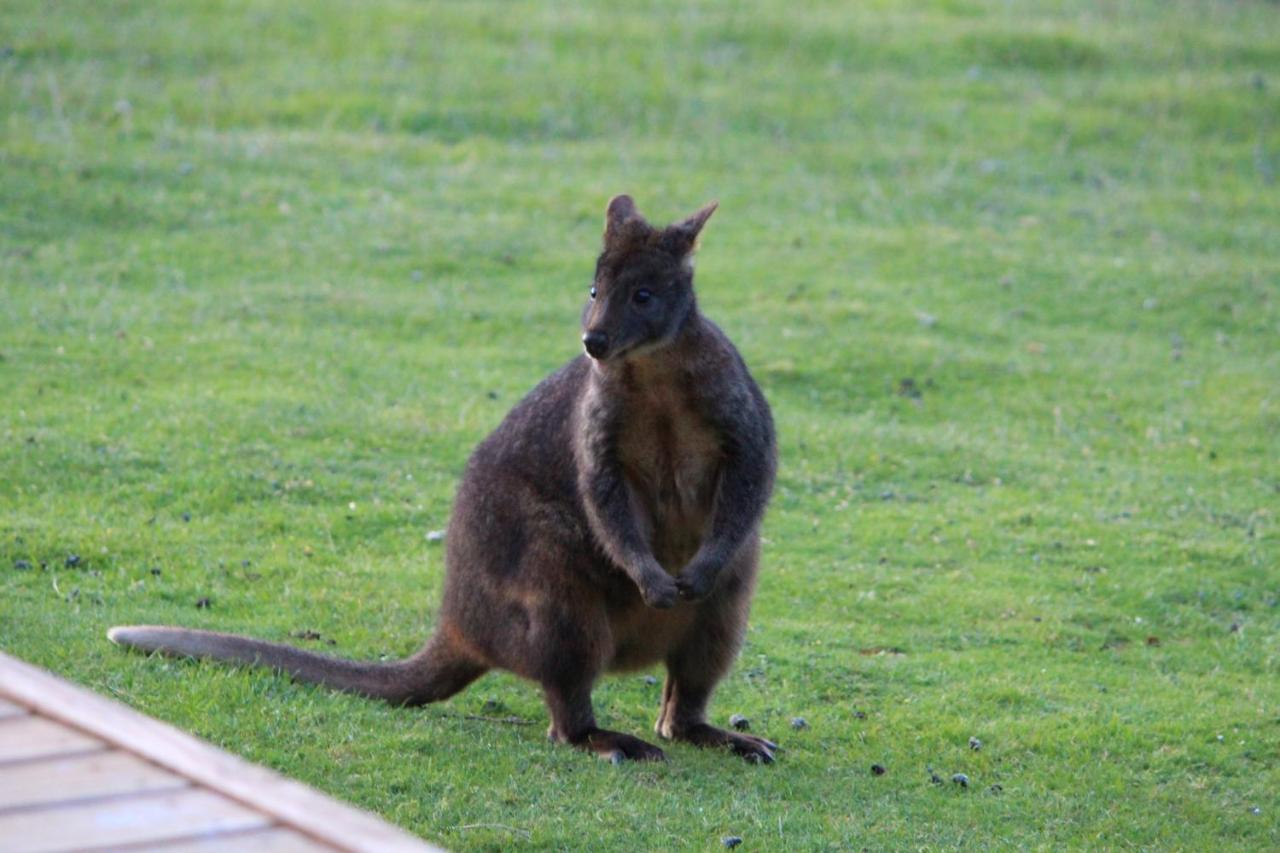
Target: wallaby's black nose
596	342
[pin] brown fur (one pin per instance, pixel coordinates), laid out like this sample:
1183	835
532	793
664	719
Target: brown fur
610	522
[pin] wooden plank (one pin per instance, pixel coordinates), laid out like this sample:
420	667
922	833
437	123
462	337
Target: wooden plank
274	840
289	802
192	813
30	737
63	780
8	709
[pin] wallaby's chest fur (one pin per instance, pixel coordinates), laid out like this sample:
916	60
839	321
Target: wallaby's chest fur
670	456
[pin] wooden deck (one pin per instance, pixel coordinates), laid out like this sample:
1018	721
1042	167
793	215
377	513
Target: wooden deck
81	772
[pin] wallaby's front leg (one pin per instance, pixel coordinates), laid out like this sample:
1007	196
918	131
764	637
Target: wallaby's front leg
610	508
743	491
612	516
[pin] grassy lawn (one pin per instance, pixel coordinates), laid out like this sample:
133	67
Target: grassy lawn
1009	273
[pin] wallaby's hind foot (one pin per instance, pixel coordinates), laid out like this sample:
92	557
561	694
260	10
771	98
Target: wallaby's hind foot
757	750
614	747
618	747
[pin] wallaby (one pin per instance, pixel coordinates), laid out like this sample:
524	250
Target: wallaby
611	521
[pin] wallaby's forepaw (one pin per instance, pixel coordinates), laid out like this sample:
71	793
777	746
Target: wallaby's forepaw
659	591
695	582
757	750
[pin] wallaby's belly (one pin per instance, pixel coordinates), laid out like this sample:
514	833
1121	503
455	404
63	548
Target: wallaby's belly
643	636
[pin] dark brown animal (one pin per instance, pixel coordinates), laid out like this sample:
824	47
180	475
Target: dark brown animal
610	522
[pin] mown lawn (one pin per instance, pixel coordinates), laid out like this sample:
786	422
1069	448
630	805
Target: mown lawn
1009	273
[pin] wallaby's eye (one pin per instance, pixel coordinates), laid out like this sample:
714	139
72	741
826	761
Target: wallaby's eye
642	296
593	291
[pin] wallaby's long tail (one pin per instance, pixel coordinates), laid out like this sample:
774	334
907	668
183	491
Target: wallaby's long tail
436	672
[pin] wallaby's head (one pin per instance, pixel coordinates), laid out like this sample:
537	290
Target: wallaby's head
642	293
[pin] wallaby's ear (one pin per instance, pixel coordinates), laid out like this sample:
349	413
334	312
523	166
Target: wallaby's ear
694	223
682	237
621	210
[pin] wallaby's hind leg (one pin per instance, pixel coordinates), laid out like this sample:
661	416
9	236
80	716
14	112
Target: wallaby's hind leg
573	722
694	669
683	717
570	662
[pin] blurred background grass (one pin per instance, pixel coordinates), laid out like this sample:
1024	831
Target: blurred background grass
1007	271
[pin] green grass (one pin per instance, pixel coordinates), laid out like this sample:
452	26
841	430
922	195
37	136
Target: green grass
269	270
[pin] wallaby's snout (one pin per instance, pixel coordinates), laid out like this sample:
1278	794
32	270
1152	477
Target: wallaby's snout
596	343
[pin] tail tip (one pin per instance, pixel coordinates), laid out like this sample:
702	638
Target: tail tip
119	635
